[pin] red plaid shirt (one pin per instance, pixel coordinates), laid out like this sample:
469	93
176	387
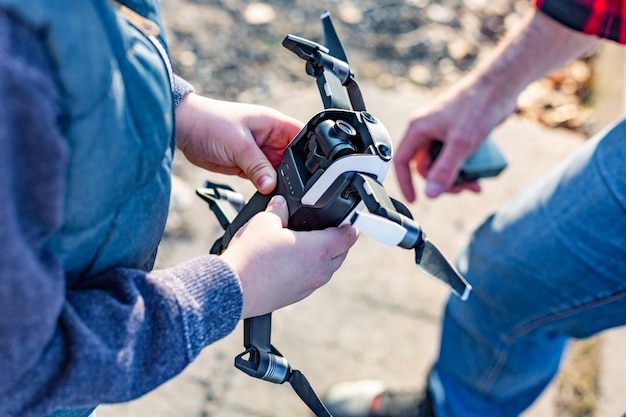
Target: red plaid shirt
604	18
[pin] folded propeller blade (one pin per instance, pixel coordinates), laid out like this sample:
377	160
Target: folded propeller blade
331	39
432	261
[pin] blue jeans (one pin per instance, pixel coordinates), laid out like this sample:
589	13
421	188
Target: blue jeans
83	412
548	266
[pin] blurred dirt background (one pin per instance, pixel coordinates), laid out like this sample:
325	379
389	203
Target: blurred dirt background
231	49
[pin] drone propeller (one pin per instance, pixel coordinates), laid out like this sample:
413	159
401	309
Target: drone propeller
431	261
391	222
428	258
331	39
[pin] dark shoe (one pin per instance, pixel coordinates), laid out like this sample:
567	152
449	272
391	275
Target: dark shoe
370	398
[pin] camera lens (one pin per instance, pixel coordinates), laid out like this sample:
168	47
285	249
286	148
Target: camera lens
344	130
334	139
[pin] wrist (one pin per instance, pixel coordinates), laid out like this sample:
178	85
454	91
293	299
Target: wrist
537	46
185	119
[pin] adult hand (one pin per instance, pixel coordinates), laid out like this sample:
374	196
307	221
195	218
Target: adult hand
278	266
233	138
463	117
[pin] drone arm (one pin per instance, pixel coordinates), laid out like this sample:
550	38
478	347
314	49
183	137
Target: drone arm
389	226
382	229
384	223
354	93
331	90
332	74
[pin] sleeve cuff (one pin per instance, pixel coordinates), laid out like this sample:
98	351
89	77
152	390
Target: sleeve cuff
210	300
180	89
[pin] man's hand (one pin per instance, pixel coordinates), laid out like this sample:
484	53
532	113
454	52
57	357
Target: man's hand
463	117
456	119
232	138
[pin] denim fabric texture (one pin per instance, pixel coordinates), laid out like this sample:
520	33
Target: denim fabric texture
548	266
83	412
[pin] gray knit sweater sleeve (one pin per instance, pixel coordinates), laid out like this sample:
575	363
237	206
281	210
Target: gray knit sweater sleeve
112	337
180	89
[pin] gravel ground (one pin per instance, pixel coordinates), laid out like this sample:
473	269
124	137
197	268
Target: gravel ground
231	49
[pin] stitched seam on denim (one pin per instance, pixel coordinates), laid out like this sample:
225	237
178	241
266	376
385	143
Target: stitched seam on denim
85	412
533	324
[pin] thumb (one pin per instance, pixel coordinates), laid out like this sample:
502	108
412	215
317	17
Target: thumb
278	206
258	169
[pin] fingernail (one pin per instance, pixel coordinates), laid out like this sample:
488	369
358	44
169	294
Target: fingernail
278	201
266	182
433	189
